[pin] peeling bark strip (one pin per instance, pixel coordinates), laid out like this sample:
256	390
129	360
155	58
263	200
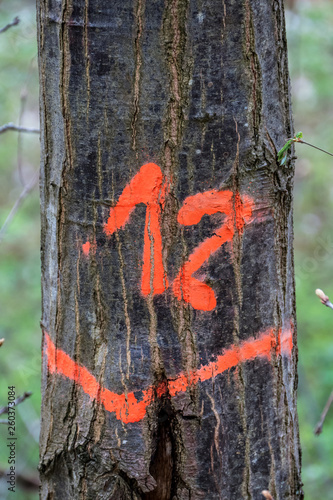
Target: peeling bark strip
169	362
128	409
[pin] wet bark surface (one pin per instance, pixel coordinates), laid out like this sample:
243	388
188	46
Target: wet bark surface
169	341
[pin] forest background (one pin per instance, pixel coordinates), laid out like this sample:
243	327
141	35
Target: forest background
310	44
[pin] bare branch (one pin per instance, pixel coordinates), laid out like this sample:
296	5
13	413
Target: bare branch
315	147
29	187
23	101
16	128
28	483
17	401
14	22
319	426
324	299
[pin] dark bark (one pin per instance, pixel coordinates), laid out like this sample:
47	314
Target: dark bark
199	91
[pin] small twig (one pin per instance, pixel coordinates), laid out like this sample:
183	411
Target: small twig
29	187
282	154
14	22
323	298
1	342
23	101
27	483
17	401
319	426
16	128
315	147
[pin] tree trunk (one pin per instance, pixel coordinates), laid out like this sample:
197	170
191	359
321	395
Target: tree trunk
169	343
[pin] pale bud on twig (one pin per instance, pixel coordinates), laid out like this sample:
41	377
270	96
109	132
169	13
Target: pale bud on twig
267	495
321	295
324	298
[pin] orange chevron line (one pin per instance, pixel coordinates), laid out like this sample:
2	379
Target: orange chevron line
128	409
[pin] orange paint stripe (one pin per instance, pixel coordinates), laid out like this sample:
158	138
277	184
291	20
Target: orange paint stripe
128	409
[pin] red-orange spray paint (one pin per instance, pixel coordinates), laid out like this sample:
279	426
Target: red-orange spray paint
148	186
86	248
237	211
128	409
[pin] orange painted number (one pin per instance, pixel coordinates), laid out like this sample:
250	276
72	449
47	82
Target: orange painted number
148	186
185	286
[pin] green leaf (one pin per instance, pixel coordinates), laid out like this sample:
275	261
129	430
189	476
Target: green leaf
283	161
284	149
299	135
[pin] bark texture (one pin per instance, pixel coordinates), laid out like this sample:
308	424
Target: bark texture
169	368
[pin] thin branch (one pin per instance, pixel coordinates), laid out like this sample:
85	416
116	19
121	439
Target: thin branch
23	101
30	420
27	483
14	22
17	401
16	128
315	147
29	187
1	342
319	426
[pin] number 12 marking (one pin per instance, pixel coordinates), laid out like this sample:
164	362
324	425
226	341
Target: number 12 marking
150	187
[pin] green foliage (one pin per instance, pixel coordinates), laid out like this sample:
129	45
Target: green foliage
310	41
282	154
19	250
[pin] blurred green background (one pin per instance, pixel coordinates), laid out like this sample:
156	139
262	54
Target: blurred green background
310	41
19	247
310	44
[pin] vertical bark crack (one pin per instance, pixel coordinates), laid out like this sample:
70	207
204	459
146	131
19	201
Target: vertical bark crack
255	71
125	302
140	7
163	462
86	53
